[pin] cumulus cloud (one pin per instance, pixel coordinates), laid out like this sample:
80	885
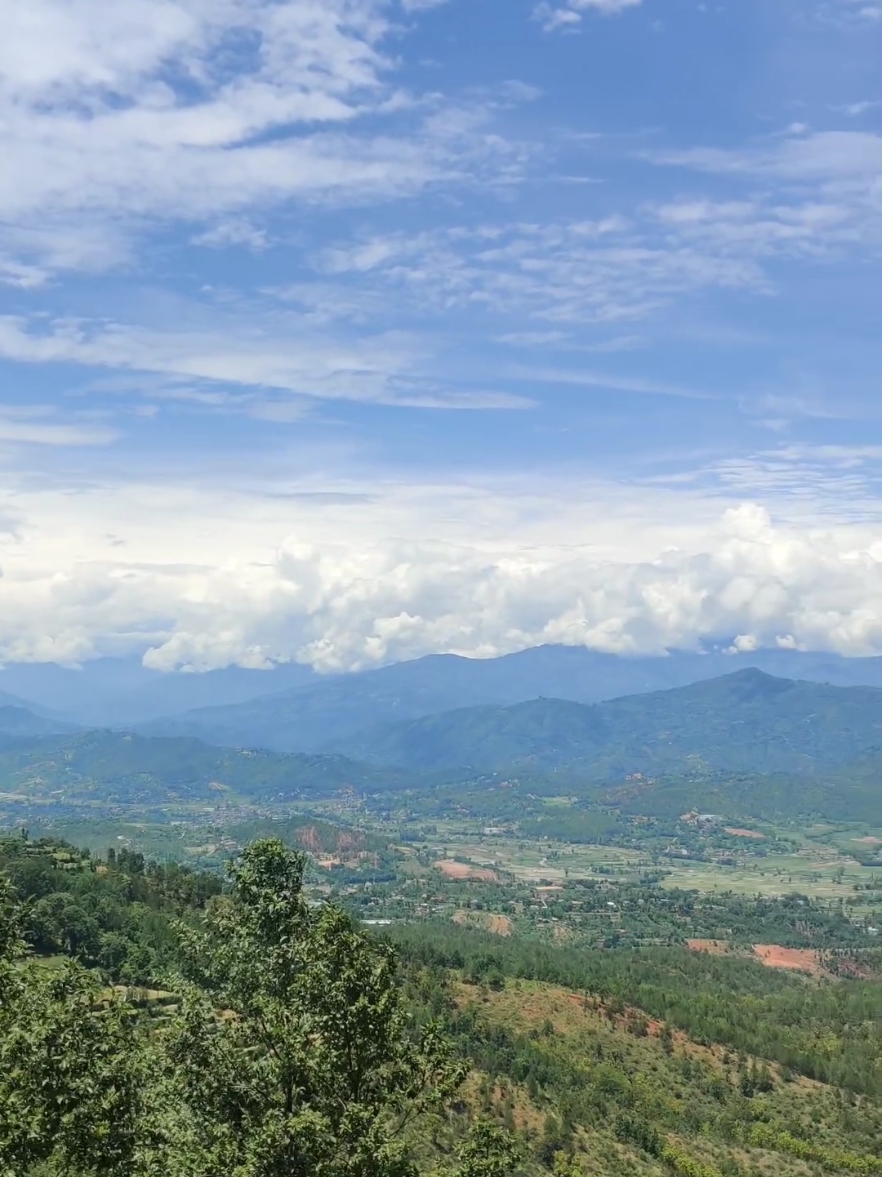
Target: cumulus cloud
341	579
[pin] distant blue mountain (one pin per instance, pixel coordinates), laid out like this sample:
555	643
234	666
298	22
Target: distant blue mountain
120	692
18	722
311	717
747	722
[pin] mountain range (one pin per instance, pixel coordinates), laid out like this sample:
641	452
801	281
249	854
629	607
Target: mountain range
746	743
325	712
748	721
122	692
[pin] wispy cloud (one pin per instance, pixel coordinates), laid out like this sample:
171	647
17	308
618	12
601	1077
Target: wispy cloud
569	15
40	425
118	114
810	197
801	195
603	270
237	231
383	369
611	381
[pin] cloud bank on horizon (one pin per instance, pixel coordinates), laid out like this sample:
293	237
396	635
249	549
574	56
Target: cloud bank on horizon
354	330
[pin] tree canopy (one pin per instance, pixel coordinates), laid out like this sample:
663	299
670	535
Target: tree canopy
289	1052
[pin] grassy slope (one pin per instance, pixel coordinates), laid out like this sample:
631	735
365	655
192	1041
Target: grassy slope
613	1071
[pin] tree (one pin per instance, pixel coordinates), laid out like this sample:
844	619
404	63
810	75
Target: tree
293	1053
72	1076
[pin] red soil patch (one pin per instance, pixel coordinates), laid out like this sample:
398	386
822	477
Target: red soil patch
462	870
500	925
775	957
309	839
714	947
454	870
737	832
869	840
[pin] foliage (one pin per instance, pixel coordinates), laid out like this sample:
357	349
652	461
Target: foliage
323	1076
123	768
116	915
743	723
765	1136
71	1087
291	1052
830	1031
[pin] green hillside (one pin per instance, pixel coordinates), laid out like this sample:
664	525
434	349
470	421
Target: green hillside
746	722
131	769
852	793
158	1021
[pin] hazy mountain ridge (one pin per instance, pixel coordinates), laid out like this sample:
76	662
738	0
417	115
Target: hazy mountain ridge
310	717
120	692
18	721
744	722
744	743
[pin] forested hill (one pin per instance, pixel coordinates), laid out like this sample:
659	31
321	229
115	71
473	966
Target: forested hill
743	722
285	1039
131	769
308	715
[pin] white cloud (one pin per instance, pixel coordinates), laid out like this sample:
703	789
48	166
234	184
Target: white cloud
341	574
814	198
120	112
827	156
24	431
280	354
571	15
819	193
237	231
601	270
607	6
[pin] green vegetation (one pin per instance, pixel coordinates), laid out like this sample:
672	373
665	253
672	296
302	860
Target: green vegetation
744	723
290	1051
117	915
577	965
264	1033
828	1031
746	747
120	768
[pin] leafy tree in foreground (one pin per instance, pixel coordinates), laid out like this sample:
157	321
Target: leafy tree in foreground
71	1074
291	1053
312	1067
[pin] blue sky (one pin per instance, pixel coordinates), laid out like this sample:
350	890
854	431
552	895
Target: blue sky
353	330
